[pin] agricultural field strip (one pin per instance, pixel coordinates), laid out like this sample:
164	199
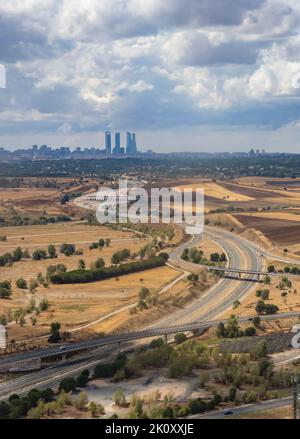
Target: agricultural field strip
73	242
44	234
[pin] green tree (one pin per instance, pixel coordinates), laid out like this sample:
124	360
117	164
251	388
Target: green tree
67	385
81	264
52	251
250	332
259	351
100	263
67	249
144	293
119	398
39	254
21	283
33	285
81	401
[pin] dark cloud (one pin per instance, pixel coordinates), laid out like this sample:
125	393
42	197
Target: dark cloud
19	42
199	51
210	13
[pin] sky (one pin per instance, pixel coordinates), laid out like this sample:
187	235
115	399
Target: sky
192	75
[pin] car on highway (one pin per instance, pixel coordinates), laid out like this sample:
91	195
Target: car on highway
228	412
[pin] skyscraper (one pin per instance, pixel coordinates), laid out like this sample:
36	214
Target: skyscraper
117	149
118	140
108	142
131	147
128	143
133	141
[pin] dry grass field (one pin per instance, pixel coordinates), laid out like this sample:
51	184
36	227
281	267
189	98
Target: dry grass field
41	236
79	304
276	413
81	235
17	194
287	299
34	197
215	190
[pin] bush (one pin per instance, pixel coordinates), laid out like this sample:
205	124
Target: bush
156	343
250	332
164	256
21	283
197	406
180	338
5	289
67	249
256	321
39	254
120	256
263	308
108	370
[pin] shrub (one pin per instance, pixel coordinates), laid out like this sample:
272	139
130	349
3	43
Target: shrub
67	249
39	254
180	338
250	332
21	283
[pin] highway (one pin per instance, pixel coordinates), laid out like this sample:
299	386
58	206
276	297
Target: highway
244	409
209	306
151	332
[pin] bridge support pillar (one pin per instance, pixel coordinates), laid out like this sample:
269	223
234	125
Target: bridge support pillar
198	332
166	338
240	275
64	358
258	277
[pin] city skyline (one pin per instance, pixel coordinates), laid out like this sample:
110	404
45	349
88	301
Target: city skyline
108	149
185	77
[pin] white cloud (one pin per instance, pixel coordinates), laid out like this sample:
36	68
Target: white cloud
99	62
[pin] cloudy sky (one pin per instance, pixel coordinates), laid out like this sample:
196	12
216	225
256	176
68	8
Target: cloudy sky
185	75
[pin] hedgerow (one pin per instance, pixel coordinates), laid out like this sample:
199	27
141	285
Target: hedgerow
85	276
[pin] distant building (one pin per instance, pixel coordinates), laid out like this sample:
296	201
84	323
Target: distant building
117	149
131	146
108	142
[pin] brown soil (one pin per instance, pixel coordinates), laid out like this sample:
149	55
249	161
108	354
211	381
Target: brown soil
278	231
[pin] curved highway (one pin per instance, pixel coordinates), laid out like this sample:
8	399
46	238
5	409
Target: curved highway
222	295
212	303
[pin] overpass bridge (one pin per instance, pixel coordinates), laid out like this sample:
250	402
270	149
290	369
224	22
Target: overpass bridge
8	363
239	272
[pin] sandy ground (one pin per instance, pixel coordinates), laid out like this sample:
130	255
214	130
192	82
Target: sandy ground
102	391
